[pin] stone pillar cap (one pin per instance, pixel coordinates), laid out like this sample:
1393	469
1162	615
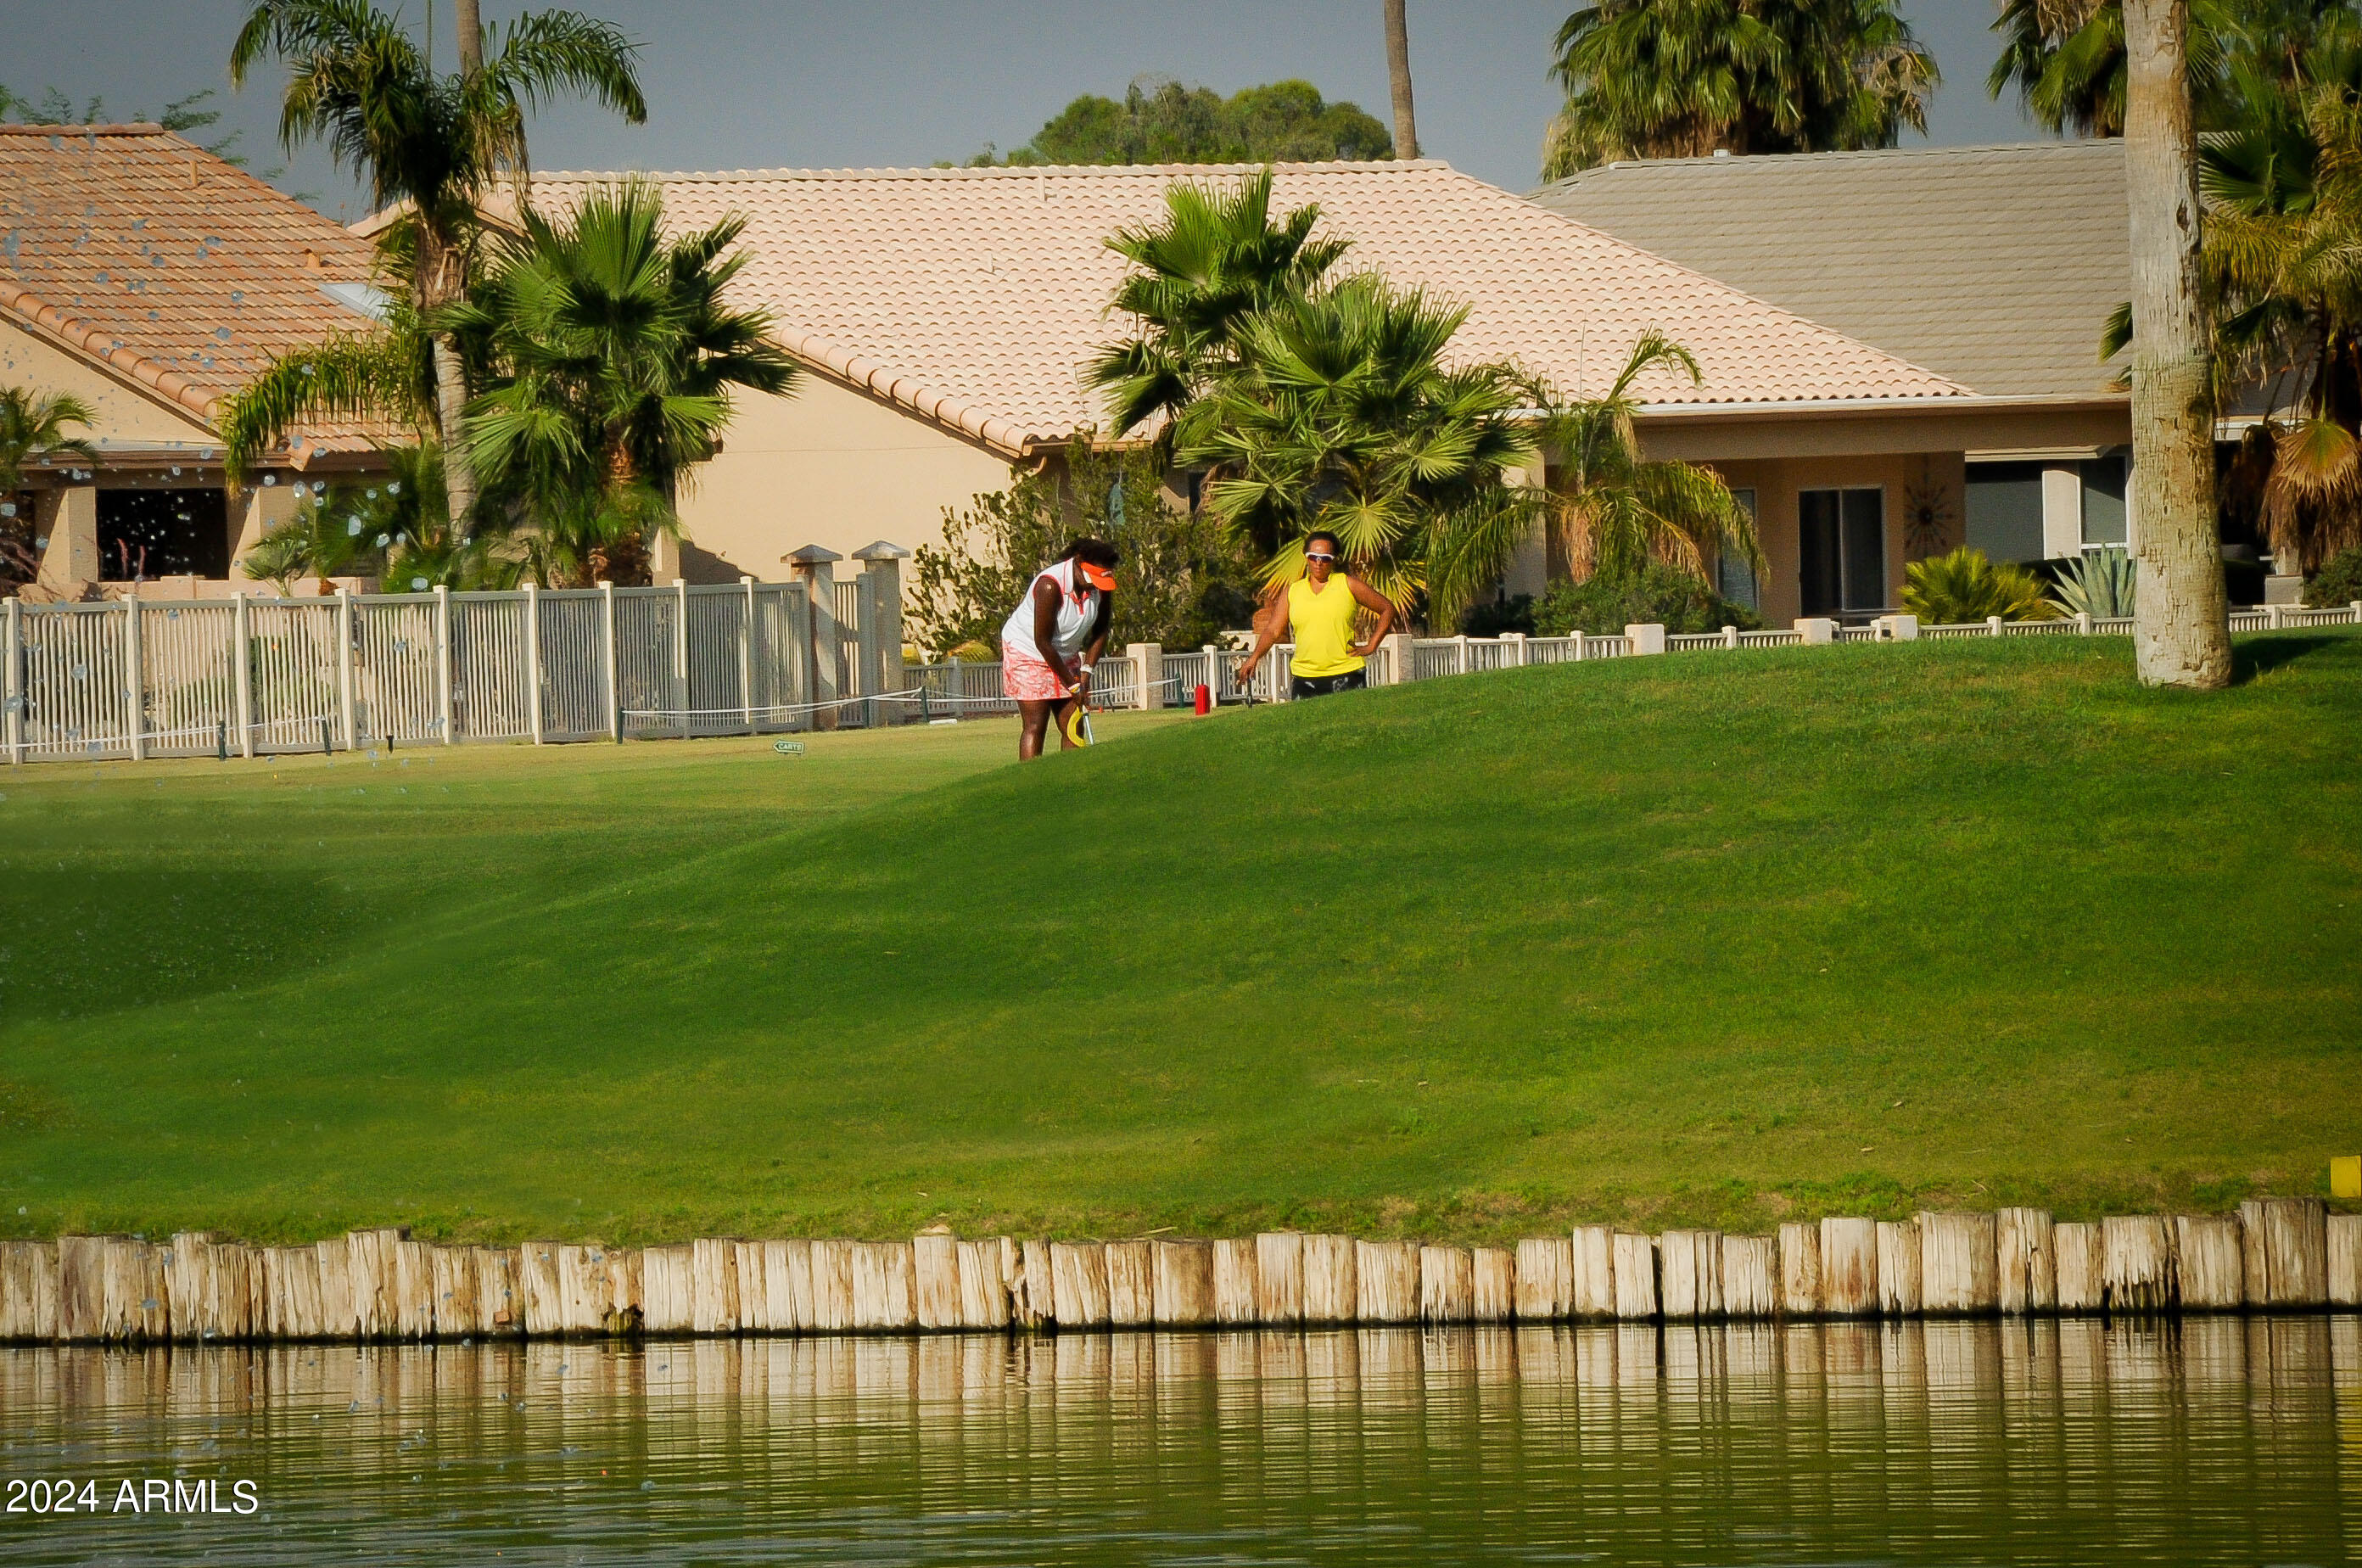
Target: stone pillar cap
883	551
811	555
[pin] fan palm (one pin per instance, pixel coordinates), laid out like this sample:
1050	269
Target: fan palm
434	145
1682	78
32	425
1948	591
1341	414
616	358
2066	58
1611	509
1213	262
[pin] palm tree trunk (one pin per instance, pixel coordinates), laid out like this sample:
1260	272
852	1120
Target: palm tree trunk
1398	76
438	285
2181	634
471	36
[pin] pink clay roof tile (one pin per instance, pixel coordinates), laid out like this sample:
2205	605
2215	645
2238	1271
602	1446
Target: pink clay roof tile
183	273
972	296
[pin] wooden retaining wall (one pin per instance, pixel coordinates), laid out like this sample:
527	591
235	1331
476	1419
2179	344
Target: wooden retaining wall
2275	1254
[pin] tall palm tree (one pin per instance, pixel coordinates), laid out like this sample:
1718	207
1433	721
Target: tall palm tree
1399	80
1610	509
2180	632
616	356
32	425
1215	260
433	144
2066	58
1341	414
1682	78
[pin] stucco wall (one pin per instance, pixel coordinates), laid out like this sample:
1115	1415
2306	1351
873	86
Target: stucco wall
123	415
828	467
1932	482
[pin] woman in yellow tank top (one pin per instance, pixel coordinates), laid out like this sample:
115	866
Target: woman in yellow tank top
1322	607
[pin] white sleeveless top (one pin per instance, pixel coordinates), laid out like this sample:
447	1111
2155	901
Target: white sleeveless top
1078	610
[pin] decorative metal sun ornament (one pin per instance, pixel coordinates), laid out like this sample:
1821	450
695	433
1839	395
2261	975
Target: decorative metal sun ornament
1927	515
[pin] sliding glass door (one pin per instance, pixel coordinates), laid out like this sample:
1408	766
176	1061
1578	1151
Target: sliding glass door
1841	539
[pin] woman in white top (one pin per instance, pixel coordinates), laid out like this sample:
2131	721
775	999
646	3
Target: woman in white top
1054	636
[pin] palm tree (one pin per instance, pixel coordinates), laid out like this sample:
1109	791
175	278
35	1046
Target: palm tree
32	425
1341	414
2068	61
1398	78
433	144
2180	631
1212	263
1683	78
616	358
1610	509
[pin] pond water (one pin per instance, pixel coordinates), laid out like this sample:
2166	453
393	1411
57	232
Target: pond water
2199	1442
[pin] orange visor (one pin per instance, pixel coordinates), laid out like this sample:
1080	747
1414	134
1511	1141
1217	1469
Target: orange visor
1099	576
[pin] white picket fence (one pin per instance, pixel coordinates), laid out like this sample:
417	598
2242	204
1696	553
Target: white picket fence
251	675
959	687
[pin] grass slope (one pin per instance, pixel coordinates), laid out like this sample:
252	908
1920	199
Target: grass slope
1702	938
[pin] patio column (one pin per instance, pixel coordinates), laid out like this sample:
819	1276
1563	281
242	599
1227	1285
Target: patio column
67	518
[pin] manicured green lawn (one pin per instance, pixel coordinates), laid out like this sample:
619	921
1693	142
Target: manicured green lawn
1711	937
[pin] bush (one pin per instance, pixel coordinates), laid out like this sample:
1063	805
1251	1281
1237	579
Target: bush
1657	594
1946	590
1499	616
2337	583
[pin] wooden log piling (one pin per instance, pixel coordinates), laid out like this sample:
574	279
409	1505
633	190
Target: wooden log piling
1447	1284
1636	1276
413	1290
1331	1294
2076	1264
2287	1252
1588	1291
1234	1281
2342	1252
376	1292
750	1260
983	1285
1385	1282
1132	1285
82	1289
882	1293
2210	1264
1183	1284
2135	1263
1800	1270
831	1271
1750	1276
2026	1261
1959	1262
339	1315
667	1290
935	1275
455	1315
1545	1279
1850	1268
29	1291
1899	1290
714	1286
1078	1284
1493	1271
1690	1264
500	1300
1279	1279
541	1289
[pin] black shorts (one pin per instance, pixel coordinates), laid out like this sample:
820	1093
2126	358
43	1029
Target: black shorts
1302	686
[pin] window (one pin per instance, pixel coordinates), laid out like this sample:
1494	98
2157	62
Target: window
2004	507
1842	548
2103	501
1733	578
162	533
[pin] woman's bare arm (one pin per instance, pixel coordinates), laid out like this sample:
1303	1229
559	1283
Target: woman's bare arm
1370	599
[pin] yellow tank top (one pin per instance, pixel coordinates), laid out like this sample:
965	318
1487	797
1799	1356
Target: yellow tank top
1322	626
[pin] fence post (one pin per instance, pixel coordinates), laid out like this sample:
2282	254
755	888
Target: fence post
1646	637
134	681
1993	625
12	680
680	652
2272	617
1213	678
443	704
533	658
1515	643
2082	623
1818	629
345	669
1149	658
1578	644
1402	669
242	666
1730	636
815	569
881	617
746	656
607	661
1460	654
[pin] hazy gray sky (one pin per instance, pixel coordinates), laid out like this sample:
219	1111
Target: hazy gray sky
834	83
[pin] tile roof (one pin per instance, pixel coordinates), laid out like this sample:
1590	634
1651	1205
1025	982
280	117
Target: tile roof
972	296
185	274
1992	265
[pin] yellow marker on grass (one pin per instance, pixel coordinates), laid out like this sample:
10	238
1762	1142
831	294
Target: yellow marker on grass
2345	1177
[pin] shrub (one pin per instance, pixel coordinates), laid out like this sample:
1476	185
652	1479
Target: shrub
1966	586
2099	584
1497	616
2337	583
1605	606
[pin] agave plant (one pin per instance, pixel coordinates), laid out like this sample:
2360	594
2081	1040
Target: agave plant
1966	586
2099	584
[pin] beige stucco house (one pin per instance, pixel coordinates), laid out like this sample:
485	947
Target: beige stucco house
1995	267
147	277
945	314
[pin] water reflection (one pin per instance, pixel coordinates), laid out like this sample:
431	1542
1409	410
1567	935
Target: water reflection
2213	1440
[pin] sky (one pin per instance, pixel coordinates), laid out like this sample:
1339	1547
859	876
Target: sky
873	83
